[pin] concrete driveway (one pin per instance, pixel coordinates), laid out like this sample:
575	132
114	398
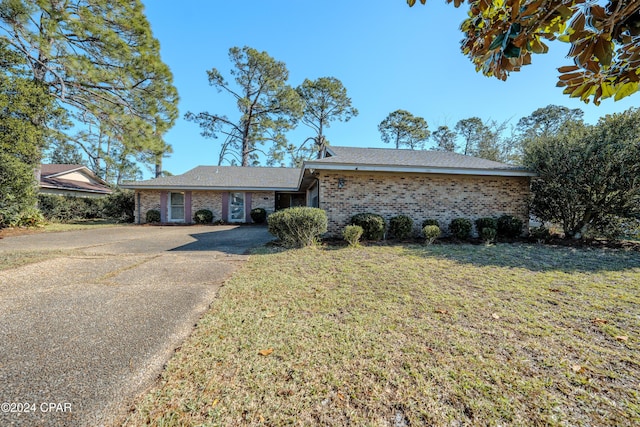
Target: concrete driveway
82	334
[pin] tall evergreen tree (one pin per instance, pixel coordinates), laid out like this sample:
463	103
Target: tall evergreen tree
268	108
445	139
403	129
325	100
99	60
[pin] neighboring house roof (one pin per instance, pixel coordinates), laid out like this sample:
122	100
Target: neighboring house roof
226	178
422	161
61	177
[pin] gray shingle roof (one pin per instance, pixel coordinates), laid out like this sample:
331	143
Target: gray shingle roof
385	159
224	178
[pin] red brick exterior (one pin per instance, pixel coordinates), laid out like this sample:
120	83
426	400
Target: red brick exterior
421	196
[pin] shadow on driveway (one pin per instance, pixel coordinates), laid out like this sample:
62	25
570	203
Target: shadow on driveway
236	241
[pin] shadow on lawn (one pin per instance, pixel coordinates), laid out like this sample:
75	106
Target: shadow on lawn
533	257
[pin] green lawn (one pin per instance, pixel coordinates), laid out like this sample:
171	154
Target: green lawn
447	335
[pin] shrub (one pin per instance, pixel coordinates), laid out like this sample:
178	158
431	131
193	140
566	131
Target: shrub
540	234
65	208
153	216
488	234
482	223
203	216
373	225
119	205
400	226
509	226
299	226
258	215
431	232
352	234
460	228
430	221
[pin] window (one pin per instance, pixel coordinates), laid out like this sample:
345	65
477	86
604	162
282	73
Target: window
176	207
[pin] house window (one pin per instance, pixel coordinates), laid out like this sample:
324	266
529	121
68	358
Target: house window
236	207
176	207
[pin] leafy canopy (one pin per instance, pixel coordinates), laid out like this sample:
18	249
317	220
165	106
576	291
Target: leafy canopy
588	175
604	37
403	129
325	100
100	62
268	108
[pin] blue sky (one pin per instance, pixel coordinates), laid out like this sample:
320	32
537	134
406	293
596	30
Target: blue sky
387	55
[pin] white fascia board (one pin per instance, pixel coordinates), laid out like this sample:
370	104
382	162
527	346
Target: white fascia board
416	169
203	188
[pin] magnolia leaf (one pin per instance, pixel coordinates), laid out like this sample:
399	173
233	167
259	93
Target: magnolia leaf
626	90
265	352
495	316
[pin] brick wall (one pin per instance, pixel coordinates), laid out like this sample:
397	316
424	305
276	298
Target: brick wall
421	196
211	200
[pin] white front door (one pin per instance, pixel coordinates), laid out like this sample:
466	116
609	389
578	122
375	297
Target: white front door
236	207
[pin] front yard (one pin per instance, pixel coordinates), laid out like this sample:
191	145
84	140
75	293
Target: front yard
447	335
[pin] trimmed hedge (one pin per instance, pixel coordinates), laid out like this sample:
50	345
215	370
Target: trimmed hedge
430	221
460	228
258	215
509	226
400	226
119	205
299	226
487	222
431	233
488	234
153	216
352	234
373	225
203	216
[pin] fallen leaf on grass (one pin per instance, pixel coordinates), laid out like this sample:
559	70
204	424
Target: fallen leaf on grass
598	321
340	396
554	290
265	352
442	311
578	369
622	338
495	316
269	315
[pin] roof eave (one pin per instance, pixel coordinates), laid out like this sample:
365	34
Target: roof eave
55	187
417	169
133	186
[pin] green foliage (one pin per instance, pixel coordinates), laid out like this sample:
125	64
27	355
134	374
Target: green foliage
460	228
119	205
403	129
64	208
203	216
268	108
540	234
587	173
400	226
352	234
488	234
509	226
258	215
431	233
445	139
100	62
153	216
430	221
482	223
299	226
373	225
17	189
502	36
325	100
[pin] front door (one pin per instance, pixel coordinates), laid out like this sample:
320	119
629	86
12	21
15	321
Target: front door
236	207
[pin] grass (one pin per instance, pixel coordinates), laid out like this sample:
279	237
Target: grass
53	226
410	335
15	259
